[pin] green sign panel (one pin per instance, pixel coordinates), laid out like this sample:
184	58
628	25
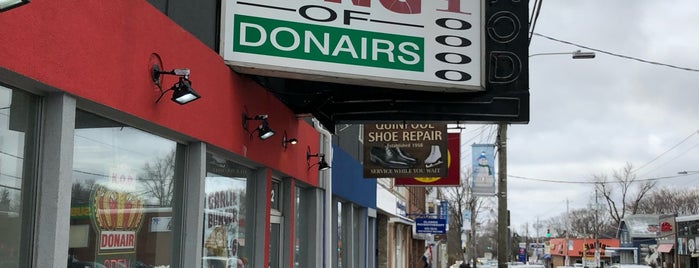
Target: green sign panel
287	39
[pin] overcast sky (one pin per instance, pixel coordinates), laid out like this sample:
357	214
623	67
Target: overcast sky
591	117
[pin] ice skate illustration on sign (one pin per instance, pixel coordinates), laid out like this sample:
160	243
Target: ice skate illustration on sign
434	158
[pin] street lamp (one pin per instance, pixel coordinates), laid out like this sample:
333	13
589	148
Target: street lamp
687	172
502	166
575	54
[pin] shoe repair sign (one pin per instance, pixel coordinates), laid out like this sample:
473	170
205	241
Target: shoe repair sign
401	149
453	154
419	44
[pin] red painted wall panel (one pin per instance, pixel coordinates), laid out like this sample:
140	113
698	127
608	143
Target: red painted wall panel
103	50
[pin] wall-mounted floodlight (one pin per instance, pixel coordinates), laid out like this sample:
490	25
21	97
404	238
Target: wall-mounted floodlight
263	130
286	141
10	4
182	91
322	165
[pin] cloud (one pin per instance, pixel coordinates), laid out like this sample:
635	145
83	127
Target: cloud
593	116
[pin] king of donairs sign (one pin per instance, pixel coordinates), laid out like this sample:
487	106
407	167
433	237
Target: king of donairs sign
412	44
397	149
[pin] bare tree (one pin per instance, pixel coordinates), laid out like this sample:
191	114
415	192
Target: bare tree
158	179
670	201
618	192
556	225
5	200
82	191
582	222
460	199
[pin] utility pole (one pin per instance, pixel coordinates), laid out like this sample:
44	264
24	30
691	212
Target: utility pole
536	248
502	196
597	252
472	250
567	260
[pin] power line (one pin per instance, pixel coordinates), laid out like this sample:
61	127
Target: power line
617	55
590	182
533	19
668	150
681	154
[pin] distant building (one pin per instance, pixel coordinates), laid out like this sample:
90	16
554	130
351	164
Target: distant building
581	250
637	236
687	241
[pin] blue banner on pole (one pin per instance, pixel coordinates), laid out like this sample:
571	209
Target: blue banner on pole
444	209
483	178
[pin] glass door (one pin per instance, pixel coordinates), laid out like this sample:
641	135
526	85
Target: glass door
275	241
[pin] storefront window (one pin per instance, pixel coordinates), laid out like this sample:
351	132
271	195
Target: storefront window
225	211
302	242
17	135
357	233
121	212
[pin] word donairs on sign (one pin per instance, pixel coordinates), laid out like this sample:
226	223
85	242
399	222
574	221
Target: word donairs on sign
413	44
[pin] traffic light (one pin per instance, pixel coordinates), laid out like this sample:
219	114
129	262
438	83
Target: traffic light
585	247
548	232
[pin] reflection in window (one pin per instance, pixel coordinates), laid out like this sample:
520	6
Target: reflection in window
224	214
303	221
121	214
357	233
340	236
17	139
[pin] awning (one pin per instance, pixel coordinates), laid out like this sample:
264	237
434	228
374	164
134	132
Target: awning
401	219
665	248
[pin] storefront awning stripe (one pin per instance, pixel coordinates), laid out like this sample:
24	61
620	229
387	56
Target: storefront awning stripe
665	248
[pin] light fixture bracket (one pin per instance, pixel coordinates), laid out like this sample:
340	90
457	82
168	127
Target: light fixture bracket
286	141
263	130
322	165
156	72
182	90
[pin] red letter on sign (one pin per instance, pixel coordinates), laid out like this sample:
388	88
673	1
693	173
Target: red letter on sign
361	3
403	7
454	6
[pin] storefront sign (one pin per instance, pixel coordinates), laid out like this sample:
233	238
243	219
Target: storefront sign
397	149
79	212
425	45
161	224
223	222
117	240
118	216
400	208
666	227
430	226
453	167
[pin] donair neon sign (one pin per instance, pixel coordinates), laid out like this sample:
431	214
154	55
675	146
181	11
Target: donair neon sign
422	45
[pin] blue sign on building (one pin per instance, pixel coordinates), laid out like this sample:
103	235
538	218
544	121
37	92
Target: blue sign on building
430	226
